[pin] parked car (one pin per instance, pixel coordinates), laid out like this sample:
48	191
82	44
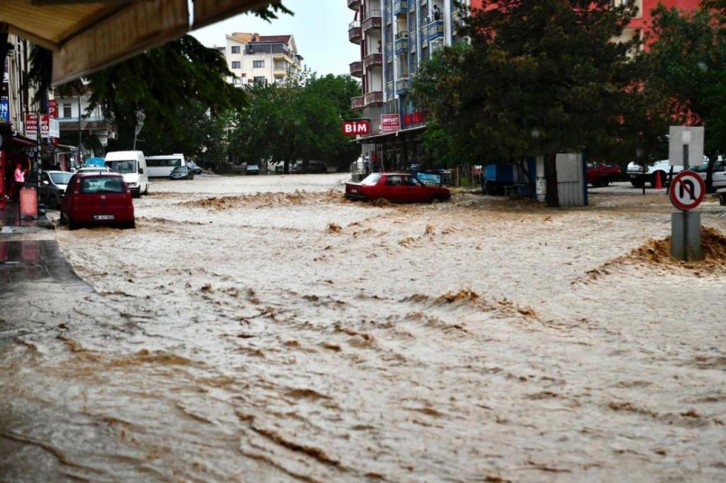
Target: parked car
601	174
639	177
181	172
395	187
718	175
312	166
51	186
97	198
252	169
194	167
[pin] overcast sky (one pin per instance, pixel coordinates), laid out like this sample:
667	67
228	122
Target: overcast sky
320	29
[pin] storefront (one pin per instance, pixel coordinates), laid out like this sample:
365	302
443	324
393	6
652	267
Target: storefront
14	149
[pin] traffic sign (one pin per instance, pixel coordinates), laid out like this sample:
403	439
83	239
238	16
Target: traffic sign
687	190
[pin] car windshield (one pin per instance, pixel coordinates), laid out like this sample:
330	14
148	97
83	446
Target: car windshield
371	179
122	166
180	169
61	178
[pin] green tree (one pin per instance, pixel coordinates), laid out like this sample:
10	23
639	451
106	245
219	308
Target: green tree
538	77
299	119
685	69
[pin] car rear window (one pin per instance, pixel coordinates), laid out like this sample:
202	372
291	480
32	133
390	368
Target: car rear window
102	185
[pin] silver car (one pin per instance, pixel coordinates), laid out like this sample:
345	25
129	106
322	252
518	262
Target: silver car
51	186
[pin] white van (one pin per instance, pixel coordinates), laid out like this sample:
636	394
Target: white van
161	166
132	165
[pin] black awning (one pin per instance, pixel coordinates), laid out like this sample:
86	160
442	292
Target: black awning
389	135
24	141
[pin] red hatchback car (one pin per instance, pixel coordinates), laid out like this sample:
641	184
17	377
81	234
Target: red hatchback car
396	188
97	198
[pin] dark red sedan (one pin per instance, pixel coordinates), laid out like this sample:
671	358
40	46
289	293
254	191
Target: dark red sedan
97	198
396	188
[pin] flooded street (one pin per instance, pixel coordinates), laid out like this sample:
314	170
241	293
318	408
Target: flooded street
262	328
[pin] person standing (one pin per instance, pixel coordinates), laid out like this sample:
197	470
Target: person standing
19	178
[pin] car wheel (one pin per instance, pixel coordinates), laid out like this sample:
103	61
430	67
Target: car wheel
53	203
63	220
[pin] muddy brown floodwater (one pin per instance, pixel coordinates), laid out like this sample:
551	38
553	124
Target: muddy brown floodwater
265	329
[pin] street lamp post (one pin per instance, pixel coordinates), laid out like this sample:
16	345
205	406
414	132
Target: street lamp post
140	116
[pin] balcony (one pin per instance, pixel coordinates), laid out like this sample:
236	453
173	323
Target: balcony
401	43
400	7
356	69
402	86
435	30
354	4
357	103
374	98
371	20
372	60
354	32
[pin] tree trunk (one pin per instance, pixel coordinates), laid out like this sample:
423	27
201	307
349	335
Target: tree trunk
552	197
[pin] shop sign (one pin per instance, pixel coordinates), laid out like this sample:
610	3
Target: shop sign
417	117
53	108
390	123
31	125
46	130
4	110
356	127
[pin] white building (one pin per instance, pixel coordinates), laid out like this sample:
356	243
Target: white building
255	58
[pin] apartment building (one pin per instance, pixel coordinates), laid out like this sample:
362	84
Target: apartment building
395	37
255	58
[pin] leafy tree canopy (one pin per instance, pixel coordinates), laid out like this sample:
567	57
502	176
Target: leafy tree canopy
685	69
538	77
297	120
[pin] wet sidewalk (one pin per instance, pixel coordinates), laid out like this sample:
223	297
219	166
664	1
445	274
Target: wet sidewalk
28	253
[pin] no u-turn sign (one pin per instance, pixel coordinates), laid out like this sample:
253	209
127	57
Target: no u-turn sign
687	190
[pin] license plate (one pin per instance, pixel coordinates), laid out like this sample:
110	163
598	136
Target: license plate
103	217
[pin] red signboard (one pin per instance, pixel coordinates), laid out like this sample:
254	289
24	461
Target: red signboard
356	127
53	108
31	125
390	122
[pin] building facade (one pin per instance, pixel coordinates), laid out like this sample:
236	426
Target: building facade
255	58
395	38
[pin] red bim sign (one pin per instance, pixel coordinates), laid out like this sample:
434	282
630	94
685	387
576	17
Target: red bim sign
358	127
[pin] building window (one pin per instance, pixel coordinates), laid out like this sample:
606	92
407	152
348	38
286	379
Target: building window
236	64
67	109
260	79
257	64
235	49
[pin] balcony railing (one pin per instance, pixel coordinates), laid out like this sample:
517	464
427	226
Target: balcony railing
372	60
374	98
401	45
354	32
371	20
435	29
353	4
357	103
402	86
400	7
356	69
